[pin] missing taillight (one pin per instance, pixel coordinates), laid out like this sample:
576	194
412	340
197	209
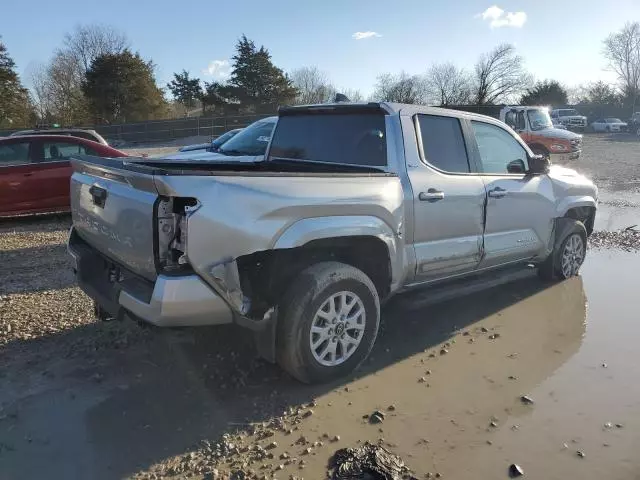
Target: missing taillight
172	226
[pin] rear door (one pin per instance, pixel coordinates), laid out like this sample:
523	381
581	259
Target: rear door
520	207
53	170
16	170
448	197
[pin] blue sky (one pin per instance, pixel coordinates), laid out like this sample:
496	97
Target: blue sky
560	39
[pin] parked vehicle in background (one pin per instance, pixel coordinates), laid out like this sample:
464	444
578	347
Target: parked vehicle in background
35	171
214	144
350	204
72	132
570	118
634	123
249	143
609	125
536	128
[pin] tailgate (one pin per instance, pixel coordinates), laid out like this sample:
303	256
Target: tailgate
113	210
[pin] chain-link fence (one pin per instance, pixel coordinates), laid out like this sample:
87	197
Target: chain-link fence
165	130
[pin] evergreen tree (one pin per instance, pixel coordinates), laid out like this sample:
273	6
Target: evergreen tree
184	89
16	109
255	81
121	87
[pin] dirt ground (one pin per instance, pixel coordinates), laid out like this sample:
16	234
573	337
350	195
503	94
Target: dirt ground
82	399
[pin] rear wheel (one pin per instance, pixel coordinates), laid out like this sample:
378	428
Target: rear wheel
328	322
569	251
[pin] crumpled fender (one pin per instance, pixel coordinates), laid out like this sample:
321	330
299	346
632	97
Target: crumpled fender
317	228
570	202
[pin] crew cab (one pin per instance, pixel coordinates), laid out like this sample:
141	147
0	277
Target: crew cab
535	127
351	204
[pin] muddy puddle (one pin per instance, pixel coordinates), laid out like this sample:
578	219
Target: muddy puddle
617	210
447	373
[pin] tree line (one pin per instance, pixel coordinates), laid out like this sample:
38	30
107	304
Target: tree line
96	77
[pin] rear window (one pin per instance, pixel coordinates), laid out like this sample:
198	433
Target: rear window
350	139
443	144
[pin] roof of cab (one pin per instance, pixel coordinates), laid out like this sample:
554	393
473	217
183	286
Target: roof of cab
389	107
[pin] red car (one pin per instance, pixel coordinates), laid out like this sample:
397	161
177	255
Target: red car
35	171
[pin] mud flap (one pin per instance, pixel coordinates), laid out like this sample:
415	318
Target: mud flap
264	333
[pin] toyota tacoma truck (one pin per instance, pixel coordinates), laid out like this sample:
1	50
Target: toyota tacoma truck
536	128
351	204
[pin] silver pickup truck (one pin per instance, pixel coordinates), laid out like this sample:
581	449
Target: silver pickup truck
350	204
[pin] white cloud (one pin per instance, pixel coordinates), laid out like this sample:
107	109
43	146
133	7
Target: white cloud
497	17
218	69
365	35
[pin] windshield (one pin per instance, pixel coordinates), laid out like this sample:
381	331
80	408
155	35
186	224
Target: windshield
251	141
539	119
225	137
569	113
613	120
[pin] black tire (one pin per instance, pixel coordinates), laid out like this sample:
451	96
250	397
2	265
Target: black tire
101	314
551	268
297	310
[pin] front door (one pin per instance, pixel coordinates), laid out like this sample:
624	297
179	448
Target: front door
520	207
448	199
16	171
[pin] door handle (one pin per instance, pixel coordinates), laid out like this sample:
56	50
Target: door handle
27	174
497	192
431	195
98	194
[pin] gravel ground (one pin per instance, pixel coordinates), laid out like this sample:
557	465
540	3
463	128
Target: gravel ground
612	161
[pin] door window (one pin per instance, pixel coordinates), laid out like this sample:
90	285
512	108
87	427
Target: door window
498	148
59	151
14	154
443	143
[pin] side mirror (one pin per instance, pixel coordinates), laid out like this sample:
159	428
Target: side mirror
539	165
516	166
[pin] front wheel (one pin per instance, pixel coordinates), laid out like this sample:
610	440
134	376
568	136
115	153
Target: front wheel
569	251
328	322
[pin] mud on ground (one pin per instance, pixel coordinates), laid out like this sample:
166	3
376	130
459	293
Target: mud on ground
81	399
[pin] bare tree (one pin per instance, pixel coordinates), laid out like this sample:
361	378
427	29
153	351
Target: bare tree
402	88
313	86
87	42
449	85
622	50
500	76
40	89
352	94
64	89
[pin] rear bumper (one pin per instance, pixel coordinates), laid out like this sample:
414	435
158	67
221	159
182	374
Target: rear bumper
169	301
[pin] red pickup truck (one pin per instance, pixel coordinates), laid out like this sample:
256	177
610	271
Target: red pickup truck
35	171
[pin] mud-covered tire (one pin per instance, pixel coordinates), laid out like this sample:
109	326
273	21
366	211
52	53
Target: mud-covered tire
297	311
552	268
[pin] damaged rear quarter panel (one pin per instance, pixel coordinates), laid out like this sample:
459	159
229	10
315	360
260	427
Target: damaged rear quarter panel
243	213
